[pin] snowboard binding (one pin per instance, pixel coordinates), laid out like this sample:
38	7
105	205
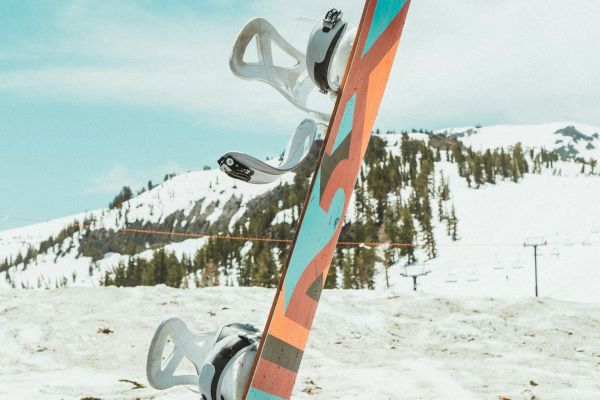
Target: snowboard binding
250	169
321	69
222	360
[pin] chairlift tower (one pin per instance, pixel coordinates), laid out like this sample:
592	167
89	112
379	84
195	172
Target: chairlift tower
415	272
535	242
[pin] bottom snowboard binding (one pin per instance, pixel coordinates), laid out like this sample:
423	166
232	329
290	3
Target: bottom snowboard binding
222	359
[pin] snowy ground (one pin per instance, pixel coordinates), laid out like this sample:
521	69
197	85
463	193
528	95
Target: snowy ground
365	345
496	220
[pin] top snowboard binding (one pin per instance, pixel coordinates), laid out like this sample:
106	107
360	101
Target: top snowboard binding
321	69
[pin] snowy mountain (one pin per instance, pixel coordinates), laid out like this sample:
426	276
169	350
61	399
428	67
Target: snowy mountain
556	203
191	202
569	140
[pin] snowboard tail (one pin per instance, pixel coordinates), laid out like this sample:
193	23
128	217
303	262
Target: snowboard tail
288	326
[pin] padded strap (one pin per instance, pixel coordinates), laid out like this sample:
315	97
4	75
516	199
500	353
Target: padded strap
251	169
217	362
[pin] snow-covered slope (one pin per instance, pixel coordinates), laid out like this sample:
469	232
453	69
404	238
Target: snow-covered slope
488	259
496	221
179	193
567	138
364	344
206	193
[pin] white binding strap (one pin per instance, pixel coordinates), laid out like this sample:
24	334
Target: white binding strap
293	83
186	344
295	154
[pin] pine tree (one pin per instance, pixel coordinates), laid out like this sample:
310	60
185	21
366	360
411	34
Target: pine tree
331	280
124	195
440	209
520	166
488	166
407	236
364	267
265	268
347	281
477	172
427	229
454	223
119	272
176	271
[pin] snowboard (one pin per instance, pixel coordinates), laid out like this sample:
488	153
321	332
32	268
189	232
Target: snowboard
288	326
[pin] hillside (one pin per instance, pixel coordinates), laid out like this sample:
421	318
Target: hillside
422	346
553	197
569	140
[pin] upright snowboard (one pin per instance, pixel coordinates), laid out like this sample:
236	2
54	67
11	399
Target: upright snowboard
288	326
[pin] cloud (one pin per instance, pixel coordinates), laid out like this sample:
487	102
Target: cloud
112	180
459	62
509	61
133	56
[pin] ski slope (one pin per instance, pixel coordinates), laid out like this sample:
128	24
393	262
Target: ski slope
494	223
489	259
176	194
365	344
180	193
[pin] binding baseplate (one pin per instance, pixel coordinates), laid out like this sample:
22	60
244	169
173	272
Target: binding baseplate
222	359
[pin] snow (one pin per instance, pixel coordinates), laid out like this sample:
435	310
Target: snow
488	259
494	223
288	215
530	136
365	344
17	240
178	193
472	331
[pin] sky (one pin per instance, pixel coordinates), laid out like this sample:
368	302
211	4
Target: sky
97	95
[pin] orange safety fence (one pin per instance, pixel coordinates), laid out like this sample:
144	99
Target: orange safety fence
246	238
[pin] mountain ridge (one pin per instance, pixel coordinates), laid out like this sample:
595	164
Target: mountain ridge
209	201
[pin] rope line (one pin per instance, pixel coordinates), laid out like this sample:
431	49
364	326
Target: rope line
340	243
289	241
246	238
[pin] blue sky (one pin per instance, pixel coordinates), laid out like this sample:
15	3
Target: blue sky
97	95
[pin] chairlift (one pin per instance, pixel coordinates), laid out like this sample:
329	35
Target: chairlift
414	272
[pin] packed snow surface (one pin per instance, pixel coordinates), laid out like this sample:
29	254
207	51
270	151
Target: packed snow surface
365	344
